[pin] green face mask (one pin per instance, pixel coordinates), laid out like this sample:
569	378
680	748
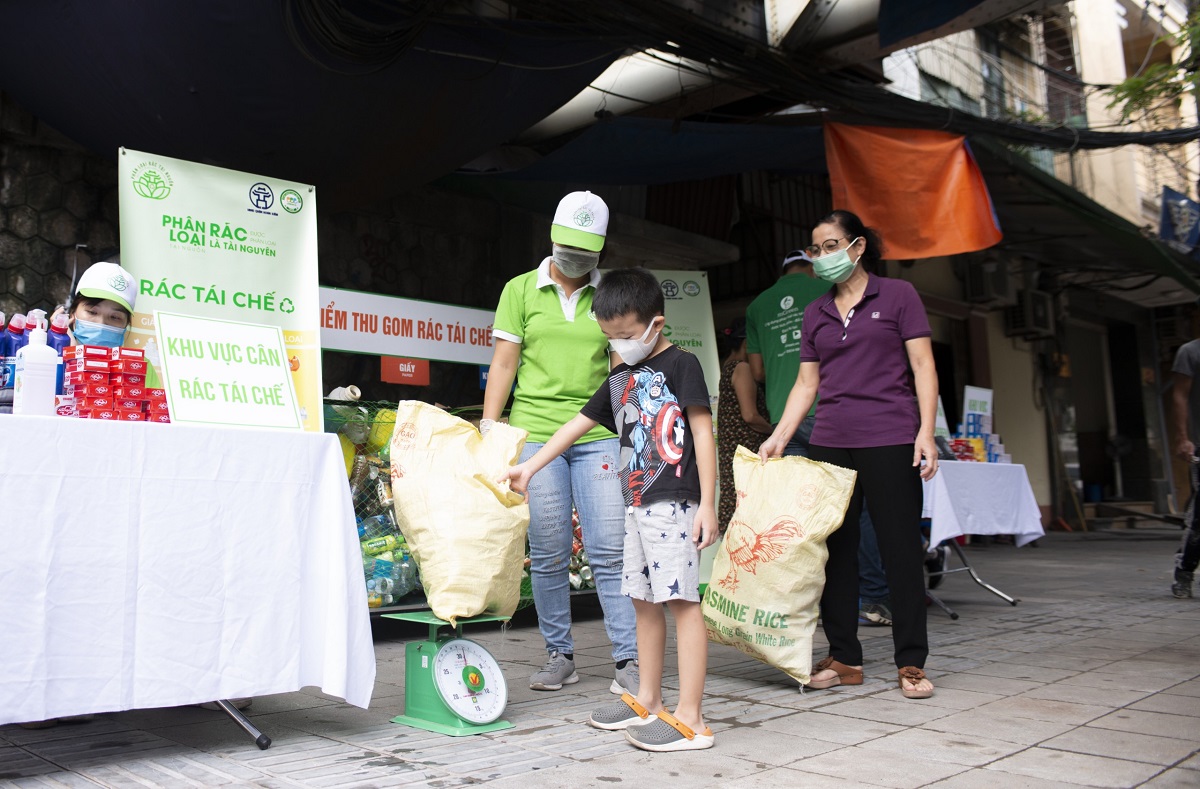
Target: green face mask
836	267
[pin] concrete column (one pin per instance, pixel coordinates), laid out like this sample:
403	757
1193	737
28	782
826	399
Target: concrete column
1108	176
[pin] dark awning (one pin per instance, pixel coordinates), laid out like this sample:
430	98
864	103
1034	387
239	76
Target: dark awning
901	19
625	150
1050	221
226	82
1040	216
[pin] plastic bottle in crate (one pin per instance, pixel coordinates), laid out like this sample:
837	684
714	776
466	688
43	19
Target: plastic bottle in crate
378	545
375	527
380	586
405	576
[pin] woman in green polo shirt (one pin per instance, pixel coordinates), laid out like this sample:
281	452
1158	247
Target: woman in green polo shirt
547	338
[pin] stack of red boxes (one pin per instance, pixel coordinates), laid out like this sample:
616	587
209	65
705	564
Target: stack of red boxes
109	383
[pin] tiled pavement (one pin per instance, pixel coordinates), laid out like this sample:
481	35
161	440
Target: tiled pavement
1093	680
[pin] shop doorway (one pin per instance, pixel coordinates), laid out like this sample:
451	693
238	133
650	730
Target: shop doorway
950	357
1090	388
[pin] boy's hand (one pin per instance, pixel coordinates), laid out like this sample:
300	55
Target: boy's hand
704	527
518	477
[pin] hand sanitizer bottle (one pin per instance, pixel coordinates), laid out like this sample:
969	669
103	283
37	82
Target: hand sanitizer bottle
37	368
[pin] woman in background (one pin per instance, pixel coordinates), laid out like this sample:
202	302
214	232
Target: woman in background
741	403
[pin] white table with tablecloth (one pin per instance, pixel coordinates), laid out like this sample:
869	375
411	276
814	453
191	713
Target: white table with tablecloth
981	498
148	565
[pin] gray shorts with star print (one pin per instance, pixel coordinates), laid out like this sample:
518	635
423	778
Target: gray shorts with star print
661	559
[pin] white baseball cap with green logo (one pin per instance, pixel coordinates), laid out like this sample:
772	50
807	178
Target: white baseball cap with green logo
580	221
109	281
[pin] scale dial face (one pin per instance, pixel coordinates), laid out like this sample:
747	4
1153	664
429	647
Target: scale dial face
470	681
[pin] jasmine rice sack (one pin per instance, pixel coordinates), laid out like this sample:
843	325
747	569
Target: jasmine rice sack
769	572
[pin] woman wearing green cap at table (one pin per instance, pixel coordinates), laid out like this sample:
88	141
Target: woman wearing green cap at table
545	327
101	310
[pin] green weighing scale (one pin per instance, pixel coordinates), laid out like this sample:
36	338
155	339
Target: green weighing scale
451	684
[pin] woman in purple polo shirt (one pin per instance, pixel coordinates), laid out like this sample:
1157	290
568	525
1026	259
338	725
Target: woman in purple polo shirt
860	341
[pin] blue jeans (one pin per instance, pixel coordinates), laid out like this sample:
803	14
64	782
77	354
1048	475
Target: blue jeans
872	583
798	444
578	476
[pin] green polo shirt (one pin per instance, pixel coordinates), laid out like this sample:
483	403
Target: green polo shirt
564	355
773	322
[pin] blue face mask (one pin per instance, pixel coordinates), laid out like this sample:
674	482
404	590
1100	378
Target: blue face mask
88	333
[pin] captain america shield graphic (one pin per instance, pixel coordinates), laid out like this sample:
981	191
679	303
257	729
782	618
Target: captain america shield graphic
668	433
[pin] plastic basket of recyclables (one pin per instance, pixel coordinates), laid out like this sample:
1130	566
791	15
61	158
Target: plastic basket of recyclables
390	573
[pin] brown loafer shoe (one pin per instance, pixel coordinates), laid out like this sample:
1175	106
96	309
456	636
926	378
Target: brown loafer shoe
913	676
845	675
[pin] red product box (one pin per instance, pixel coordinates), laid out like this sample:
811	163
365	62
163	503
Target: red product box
127	380
163	418
65	406
135	366
130	392
75	379
129	405
92	403
158	407
131	415
87	366
125	353
157	395
87	390
100	413
85	352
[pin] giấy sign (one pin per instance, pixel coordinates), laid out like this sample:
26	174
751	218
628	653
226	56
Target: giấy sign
225	245
226	373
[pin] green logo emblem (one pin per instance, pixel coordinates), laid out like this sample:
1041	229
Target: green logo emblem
287	306
291	201
583	217
691	288
117	282
151	185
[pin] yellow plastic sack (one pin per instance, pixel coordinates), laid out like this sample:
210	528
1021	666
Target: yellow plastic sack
466	531
769	570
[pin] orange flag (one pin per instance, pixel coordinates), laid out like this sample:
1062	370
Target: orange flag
922	190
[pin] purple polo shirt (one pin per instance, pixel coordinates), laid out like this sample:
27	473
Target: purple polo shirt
866	391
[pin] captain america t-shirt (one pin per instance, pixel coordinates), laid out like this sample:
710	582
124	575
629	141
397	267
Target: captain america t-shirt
646	406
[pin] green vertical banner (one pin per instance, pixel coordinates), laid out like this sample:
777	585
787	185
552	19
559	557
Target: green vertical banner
688	310
221	244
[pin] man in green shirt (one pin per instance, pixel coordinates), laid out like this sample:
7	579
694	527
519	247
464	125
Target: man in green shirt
773	324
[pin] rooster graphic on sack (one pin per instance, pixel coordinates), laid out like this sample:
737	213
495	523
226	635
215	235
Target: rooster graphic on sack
748	548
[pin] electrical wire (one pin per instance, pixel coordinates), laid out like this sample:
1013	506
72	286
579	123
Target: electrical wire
648	24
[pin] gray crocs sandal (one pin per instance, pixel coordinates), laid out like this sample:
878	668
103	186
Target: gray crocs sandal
665	733
620	715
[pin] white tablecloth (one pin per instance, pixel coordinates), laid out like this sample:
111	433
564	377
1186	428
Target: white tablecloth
982	498
147	565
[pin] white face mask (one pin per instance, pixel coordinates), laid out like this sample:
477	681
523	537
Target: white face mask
574	263
634	351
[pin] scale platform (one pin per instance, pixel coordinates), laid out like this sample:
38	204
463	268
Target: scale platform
452	685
